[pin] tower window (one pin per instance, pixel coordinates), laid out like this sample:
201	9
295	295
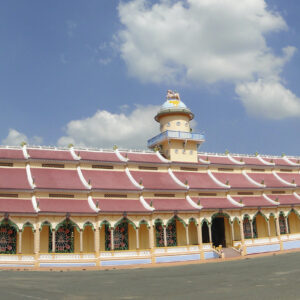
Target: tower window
168	124
178	123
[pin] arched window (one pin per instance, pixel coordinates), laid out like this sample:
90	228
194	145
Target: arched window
282	224
64	237
8	238
171	233
247	228
159	233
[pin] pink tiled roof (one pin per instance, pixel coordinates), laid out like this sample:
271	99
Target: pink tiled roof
156	180
11	154
269	180
49	154
56	179
142	157
170	204
289	177
14	178
277	161
285	199
294	160
253	201
98	156
12	205
108	180
249	160
236	180
219	160
197	180
64	206
214	202
120	205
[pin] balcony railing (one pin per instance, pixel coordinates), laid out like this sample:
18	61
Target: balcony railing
175	135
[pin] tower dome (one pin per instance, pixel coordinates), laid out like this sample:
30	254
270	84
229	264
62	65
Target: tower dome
173	105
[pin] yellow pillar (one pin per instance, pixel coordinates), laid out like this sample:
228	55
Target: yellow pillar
20	241
81	240
53	240
137	238
187	235
232	231
278	232
210	235
112	238
165	236
251	227
242	236
200	243
269	230
36	246
151	236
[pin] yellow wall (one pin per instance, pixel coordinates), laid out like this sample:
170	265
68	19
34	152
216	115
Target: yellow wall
131	238
44	239
181	235
27	240
88	239
144	237
193	236
261	226
294	223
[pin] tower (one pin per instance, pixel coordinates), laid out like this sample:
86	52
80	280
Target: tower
176	140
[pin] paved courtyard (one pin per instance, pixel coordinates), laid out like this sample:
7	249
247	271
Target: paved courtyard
273	277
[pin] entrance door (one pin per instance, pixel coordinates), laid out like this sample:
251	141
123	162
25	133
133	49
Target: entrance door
218	232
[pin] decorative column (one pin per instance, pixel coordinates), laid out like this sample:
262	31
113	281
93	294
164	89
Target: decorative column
187	235
165	235
243	248
286	225
278	232
20	241
81	240
269	229
36	240
209	231
199	235
96	240
112	238
251	227
53	240
151	236
232	231
137	238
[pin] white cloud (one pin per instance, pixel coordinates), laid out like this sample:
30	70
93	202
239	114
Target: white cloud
268	99
15	138
203	41
104	129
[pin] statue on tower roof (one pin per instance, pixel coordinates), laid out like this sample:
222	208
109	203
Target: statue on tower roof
172	95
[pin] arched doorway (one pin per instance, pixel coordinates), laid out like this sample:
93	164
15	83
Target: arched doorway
282	223
65	237
293	222
205	232
88	238
159	233
46	237
221	230
8	237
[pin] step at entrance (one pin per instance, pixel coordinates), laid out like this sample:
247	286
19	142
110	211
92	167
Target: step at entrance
230	252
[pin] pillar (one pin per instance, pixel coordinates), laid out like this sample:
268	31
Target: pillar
209	230
187	235
81	240
277	227
96	240
151	237
199	235
165	236
286	225
232	231
137	238
269	230
251	226
243	248
36	240
53	240
112	238
20	241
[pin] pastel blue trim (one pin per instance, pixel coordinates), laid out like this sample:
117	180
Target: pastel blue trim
58	265
163	259
16	266
169	105
291	245
125	262
210	255
264	248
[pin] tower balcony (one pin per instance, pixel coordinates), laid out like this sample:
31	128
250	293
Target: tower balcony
175	135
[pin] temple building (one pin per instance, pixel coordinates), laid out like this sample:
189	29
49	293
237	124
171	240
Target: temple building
80	207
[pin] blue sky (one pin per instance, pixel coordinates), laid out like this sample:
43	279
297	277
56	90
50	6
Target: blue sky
93	73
